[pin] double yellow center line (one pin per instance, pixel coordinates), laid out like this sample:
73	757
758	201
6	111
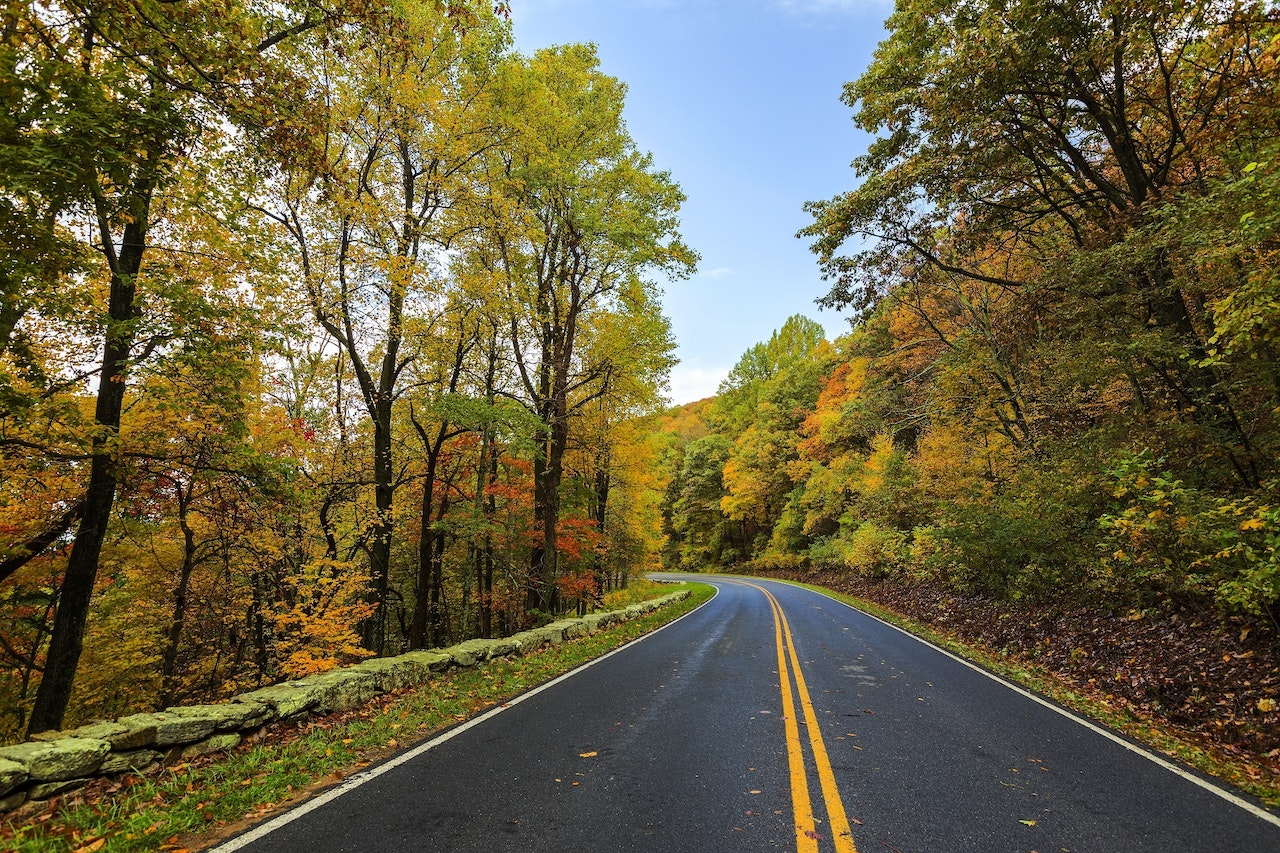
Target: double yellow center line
838	823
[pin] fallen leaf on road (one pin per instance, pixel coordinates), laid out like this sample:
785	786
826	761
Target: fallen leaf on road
1027	822
755	792
809	833
592	754
856	822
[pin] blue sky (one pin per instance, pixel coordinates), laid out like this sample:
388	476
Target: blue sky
740	101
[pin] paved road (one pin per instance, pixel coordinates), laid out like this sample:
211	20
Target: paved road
689	741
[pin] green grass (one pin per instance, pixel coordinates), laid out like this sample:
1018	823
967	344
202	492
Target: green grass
1242	774
169	809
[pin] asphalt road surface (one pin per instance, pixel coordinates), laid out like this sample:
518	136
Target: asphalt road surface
689	740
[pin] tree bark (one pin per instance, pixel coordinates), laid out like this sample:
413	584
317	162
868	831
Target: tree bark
76	593
169	658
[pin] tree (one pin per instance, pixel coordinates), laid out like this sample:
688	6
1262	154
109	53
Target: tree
124	97
707	537
1026	147
402	131
578	217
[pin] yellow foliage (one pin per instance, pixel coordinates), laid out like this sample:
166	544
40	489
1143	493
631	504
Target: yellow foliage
318	632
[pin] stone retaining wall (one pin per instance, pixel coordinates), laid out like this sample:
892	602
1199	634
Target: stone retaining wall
55	762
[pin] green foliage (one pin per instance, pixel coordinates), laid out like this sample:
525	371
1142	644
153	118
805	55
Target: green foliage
1057	283
707	538
867	549
1166	537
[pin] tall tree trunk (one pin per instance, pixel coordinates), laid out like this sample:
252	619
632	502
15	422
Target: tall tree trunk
76	593
599	511
548	469
374	628
169	658
490	510
419	626
438	623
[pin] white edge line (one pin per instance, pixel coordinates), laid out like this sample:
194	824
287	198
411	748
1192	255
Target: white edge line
1254	810
356	780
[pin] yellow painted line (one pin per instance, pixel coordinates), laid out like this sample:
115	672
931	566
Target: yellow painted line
801	805
838	821
841	833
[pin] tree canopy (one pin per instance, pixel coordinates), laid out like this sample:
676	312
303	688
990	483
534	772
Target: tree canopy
320	329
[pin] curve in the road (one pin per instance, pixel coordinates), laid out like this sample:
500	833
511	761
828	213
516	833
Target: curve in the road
721	731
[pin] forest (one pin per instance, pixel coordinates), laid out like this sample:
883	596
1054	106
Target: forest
324	329
1060	389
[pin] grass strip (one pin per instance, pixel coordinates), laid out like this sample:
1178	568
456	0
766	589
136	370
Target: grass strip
184	806
1160	737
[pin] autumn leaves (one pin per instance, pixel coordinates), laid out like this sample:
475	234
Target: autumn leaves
321	336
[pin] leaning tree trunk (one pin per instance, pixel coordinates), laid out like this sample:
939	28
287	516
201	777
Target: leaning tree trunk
74	597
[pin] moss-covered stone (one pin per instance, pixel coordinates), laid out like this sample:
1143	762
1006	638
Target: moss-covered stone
394	673
549	635
11	801
288	699
54	761
133	761
50	736
502	648
433	659
569	628
45	790
120	734
341	689
462	657
213	743
527	642
173	727
601	621
471	652
12	774
227	716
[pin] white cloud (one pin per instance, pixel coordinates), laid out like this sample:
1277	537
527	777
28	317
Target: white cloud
718	272
694	383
